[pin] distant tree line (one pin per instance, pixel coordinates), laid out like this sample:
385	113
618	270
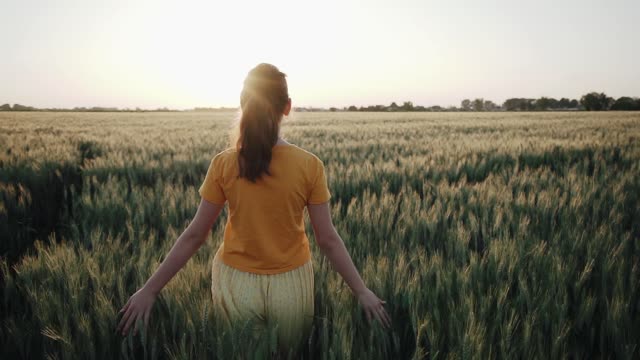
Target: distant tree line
592	101
18	107
406	106
214	109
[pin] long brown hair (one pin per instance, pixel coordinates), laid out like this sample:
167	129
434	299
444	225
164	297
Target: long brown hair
263	99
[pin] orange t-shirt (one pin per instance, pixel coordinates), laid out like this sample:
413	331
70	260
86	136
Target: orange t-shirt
265	231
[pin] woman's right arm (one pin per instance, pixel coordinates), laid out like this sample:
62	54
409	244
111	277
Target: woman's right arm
332	246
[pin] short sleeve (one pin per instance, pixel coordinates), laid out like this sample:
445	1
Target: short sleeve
211	188
319	190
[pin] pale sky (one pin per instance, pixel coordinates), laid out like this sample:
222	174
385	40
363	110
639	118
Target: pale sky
183	54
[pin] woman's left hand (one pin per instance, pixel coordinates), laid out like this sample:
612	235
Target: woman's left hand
138	307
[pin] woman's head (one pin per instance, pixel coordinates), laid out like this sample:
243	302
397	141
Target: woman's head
264	100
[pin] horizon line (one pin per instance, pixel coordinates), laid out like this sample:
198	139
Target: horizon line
237	107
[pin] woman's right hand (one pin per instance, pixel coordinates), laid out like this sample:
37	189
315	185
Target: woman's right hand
138	307
333	247
374	307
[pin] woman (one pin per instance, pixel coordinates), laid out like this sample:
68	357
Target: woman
262	272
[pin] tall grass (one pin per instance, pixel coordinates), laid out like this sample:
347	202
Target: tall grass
489	235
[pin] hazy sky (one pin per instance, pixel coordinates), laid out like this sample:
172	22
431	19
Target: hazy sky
181	54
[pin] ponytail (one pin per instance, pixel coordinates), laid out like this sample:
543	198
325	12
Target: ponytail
258	134
262	100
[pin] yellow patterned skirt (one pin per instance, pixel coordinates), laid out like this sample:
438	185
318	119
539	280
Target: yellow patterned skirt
271	304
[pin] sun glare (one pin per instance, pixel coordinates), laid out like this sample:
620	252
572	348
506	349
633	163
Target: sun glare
198	55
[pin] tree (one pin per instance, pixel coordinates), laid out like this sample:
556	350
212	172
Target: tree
596	102
489	105
352	108
18	107
478	104
626	103
574	104
465	105
518	104
545	103
564	103
5	107
393	106
407	106
512	104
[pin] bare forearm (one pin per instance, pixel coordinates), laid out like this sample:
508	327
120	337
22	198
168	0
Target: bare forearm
186	245
341	261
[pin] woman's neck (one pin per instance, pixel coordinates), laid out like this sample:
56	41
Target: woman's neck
281	142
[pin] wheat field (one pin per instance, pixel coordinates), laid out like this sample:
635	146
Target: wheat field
490	235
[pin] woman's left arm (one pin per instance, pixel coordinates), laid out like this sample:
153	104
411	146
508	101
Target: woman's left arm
139	304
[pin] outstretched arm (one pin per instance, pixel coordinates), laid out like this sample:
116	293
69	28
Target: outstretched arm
332	246
187	244
139	304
